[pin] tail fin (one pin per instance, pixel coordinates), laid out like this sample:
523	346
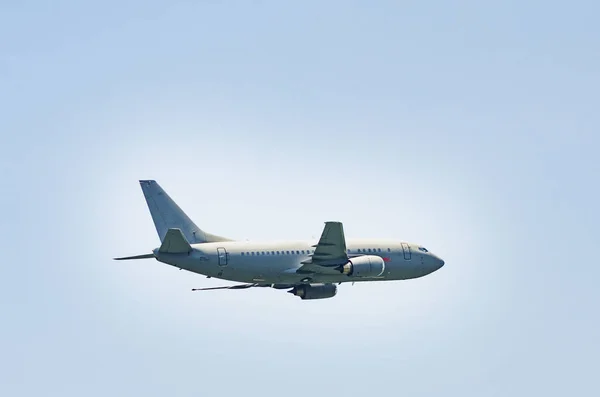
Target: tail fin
166	215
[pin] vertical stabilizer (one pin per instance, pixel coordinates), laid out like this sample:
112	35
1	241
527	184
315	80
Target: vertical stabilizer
166	215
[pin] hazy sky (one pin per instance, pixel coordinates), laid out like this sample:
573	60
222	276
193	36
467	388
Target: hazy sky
472	128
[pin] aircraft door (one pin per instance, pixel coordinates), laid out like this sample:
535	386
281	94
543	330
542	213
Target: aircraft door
406	251
223	256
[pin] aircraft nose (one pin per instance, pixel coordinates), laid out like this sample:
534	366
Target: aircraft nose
439	262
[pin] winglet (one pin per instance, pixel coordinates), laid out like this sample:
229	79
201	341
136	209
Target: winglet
175	243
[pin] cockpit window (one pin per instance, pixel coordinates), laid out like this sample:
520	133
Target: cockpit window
423	249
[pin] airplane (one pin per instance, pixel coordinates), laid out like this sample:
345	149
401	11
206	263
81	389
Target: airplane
307	269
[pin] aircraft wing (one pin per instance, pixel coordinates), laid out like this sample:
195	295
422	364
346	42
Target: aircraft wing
332	245
329	252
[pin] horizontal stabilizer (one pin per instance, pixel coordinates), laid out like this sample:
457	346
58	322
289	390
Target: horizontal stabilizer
175	243
239	286
143	256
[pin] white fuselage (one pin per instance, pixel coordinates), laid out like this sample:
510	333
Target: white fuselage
277	262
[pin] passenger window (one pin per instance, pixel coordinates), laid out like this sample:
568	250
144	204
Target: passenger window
242	254
287	252
262	252
252	253
369	249
378	249
297	252
389	250
302	251
272	252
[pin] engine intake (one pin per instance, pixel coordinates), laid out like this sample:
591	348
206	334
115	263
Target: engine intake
314	291
364	266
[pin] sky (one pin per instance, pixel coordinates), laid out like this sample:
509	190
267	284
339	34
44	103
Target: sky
468	127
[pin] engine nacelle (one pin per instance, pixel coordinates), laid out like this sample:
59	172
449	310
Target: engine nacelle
314	291
364	266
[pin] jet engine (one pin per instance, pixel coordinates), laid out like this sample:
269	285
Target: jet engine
314	291
364	266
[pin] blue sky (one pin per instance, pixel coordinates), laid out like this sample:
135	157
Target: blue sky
470	128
